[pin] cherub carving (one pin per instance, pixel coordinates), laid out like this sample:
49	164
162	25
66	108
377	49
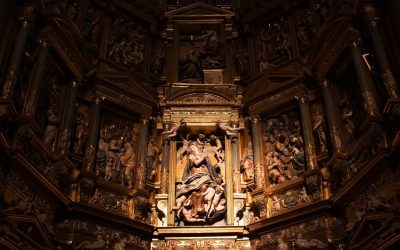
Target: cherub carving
230	131
173	131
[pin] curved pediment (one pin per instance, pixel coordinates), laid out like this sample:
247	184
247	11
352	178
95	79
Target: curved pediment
200	98
199	10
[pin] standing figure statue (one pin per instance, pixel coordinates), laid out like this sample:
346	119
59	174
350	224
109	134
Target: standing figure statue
151	159
127	159
173	131
230	131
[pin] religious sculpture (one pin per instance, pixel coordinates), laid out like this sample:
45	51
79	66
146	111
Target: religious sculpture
231	132
200	197
151	159
173	131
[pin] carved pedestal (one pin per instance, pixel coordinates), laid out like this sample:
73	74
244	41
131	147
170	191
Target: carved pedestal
162	209
213	76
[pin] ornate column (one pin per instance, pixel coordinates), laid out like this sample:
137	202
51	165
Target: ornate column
309	143
260	198
15	60
90	154
366	84
165	199
335	122
69	118
381	55
141	163
259	175
37	79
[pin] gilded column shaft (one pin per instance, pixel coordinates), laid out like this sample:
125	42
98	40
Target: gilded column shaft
36	80
366	84
15	61
141	167
257	145
381	55
69	118
164	167
309	142
336	126
90	155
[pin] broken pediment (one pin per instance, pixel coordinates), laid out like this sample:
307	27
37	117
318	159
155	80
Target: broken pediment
198	10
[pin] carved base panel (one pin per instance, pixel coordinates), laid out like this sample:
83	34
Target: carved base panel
201	243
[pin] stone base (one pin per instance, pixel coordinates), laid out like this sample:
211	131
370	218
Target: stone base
213	76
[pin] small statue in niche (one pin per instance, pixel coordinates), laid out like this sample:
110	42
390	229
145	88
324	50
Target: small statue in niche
51	128
347	116
276	204
127	159
81	130
303	196
319	130
96	197
151	159
247	164
275	172
289	199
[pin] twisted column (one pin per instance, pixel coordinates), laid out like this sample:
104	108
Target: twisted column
141	168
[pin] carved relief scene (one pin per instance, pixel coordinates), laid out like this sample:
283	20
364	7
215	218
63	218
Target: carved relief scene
283	146
200	49
200	189
194	125
117	150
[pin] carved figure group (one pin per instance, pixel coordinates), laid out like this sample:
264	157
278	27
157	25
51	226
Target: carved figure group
284	149
116	155
200	197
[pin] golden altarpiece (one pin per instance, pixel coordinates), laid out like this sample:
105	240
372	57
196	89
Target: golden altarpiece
199	124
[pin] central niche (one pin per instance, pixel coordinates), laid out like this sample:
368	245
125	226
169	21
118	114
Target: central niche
200	184
201	48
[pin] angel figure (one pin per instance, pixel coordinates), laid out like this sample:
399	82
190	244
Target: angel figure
230	131
173	131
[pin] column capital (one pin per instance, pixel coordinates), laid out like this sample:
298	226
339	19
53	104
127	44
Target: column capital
145	119
75	83
26	21
370	15
302	99
99	99
255	119
325	83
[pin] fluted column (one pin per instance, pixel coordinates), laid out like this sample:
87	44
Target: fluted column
15	60
259	175
37	79
165	163
309	143
69	118
381	55
336	127
367	87
90	154
141	168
